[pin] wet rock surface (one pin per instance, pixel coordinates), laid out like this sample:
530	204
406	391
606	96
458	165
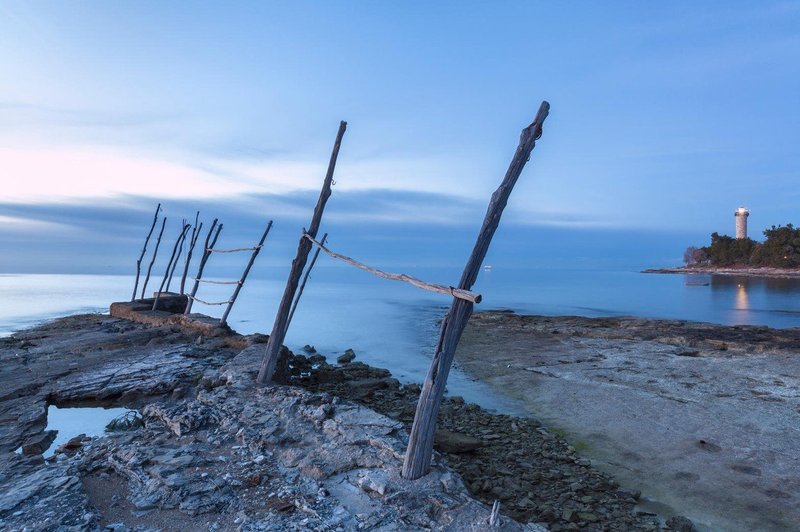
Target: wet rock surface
700	417
94	358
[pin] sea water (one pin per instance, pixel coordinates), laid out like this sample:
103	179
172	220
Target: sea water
394	325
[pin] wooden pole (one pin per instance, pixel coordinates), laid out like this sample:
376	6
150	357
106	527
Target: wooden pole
144	250
203	260
169	264
192	241
181	239
298	264
305	279
155	252
420	443
240	284
430	287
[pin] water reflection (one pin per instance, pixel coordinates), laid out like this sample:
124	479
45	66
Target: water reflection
747	298
768	284
741	298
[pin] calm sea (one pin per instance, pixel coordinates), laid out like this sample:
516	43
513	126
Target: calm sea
394	325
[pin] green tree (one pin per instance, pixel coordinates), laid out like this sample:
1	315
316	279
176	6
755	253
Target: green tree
728	251
781	249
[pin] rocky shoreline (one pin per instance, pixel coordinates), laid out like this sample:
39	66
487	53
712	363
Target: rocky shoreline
702	418
212	451
782	273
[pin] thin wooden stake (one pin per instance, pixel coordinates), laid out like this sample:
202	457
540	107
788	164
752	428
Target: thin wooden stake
169	264
270	359
240	284
203	260
305	280
155	252
144	250
181	239
420	443
192	241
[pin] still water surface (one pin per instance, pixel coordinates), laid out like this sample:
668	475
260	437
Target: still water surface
395	326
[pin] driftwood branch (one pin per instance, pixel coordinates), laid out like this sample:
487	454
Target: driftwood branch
181	239
239	285
153	260
213	250
144	250
172	258
192	241
203	261
298	265
305	279
430	287
420	443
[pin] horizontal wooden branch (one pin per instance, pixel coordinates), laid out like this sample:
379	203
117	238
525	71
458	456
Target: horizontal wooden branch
215	282
232	250
459	293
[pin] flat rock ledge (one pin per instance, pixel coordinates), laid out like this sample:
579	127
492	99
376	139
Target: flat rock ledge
228	455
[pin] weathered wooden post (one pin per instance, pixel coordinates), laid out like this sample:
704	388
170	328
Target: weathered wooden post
420	444
192	241
203	260
239	285
181	239
169	264
298	264
153	260
305	280
144	250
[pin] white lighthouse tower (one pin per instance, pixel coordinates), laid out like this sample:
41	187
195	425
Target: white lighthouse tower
741	215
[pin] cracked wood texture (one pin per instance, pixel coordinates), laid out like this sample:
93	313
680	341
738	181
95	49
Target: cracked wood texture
420	444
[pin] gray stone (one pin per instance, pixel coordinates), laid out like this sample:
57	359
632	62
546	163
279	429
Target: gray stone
455	442
679	523
39	443
348	356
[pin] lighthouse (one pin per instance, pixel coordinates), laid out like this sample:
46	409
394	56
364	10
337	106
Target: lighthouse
741	215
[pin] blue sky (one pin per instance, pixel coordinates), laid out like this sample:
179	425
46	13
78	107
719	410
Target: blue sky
664	119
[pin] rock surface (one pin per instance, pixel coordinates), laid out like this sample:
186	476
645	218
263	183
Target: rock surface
535	474
228	455
702	418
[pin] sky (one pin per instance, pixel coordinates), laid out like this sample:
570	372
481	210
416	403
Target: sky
664	119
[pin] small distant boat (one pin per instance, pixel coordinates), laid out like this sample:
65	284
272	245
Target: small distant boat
487	268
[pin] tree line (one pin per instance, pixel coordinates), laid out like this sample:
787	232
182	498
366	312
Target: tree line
780	249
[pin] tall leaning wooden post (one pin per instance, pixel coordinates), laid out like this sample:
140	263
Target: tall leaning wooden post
270	359
420	444
305	280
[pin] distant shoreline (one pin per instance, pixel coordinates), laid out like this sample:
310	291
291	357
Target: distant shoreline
784	273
